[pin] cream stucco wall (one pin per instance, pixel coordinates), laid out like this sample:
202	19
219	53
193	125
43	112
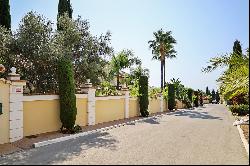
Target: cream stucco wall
133	108
82	115
165	105
41	117
109	110
4	118
154	106
44	116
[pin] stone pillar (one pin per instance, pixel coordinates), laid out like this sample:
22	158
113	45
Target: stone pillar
88	89
125	92
16	106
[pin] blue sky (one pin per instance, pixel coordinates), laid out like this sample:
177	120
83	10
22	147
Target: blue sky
202	28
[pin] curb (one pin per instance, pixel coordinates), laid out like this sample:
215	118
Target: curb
74	136
243	139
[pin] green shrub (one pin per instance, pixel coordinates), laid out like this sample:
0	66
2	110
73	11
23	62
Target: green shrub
196	99
240	110
68	109
154	92
143	98
190	97
106	89
171	96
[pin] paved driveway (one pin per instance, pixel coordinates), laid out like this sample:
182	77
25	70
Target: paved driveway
201	136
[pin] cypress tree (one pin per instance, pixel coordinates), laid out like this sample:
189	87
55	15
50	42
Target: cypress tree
213	95
66	82
237	47
5	18
217	97
196	99
64	6
143	99
68	110
171	96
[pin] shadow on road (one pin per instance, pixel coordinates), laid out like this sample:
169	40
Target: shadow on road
194	114
151	121
60	151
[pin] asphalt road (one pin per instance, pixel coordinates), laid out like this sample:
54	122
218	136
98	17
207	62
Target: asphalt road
201	136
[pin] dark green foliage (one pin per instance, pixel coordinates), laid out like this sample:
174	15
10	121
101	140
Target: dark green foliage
5	18
196	99
217	97
213	95
190	96
240	110
143	99
201	99
208	91
171	96
237	47
68	109
64	6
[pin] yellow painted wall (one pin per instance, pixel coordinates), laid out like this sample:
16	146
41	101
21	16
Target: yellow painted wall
41	117
4	118
82	115
44	116
165	105
134	108
109	110
154	106
180	105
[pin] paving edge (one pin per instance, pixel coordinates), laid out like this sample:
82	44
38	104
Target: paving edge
243	139
74	136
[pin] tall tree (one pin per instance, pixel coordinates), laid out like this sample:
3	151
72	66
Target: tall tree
235	79
5	18
122	60
237	47
208	91
213	95
64	6
217	96
162	47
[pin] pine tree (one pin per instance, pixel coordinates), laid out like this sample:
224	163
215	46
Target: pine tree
5	18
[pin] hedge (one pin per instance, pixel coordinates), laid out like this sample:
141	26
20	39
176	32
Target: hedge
143	97
171	96
68	109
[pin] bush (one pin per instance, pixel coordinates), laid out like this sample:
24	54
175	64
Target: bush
143	98
240	110
68	109
106	89
154	92
196	99
171	96
190	97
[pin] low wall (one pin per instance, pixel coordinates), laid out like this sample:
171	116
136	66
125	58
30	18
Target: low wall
134	107
108	109
179	104
42	113
4	118
154	105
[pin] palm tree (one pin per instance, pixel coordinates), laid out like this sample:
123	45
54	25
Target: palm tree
122	60
162	47
235	80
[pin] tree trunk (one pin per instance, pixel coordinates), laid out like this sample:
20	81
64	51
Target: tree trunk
161	75
164	71
118	82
